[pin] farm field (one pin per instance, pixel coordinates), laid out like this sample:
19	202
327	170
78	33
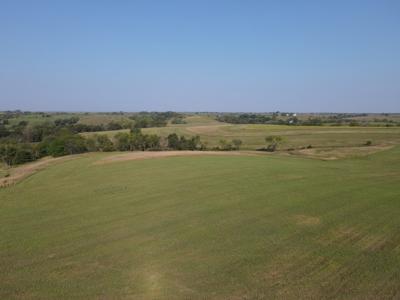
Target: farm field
232	150
295	136
326	141
195	227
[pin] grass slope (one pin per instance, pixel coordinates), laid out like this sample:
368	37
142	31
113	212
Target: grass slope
195	227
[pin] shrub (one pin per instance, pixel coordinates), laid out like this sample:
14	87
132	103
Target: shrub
103	143
14	154
274	141
237	143
63	144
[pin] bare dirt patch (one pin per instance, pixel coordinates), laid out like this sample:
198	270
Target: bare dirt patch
139	155
23	171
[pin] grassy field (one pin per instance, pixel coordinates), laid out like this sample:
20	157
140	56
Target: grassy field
226	227
84	118
295	136
328	140
331	141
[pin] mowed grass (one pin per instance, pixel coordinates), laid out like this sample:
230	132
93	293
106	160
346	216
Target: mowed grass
204	227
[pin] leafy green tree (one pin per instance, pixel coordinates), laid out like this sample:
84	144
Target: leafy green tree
123	141
103	143
273	142
8	153
65	143
173	141
14	154
24	154
237	143
3	131
152	141
224	145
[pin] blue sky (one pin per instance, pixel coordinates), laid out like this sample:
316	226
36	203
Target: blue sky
341	56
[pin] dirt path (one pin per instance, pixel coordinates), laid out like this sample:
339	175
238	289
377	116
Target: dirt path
159	154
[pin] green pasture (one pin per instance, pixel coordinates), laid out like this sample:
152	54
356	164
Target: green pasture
234	227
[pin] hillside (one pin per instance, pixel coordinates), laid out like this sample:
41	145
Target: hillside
203	226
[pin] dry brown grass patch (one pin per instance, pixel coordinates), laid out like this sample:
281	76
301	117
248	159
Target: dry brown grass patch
340	152
307	220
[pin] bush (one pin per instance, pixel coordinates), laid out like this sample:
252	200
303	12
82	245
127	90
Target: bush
183	143
14	154
274	141
237	143
224	145
63	144
103	143
123	141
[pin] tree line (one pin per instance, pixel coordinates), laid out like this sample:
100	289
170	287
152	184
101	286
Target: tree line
24	141
277	118
66	142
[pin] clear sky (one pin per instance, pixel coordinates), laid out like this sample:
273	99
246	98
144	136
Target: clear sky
197	55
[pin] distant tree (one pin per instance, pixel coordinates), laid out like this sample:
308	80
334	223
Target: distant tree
8	153
66	122
192	144
123	141
173	141
24	154
224	145
14	154
90	143
354	123
114	126
104	143
183	143
64	143
273	142
152	141
237	143
3	131
178	120
37	132
138	140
